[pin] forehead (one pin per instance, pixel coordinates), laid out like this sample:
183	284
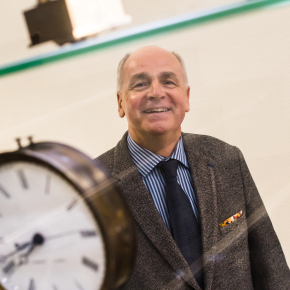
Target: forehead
152	63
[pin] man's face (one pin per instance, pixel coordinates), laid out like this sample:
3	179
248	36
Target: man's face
154	96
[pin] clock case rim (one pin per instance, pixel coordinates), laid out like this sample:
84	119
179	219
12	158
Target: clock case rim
109	208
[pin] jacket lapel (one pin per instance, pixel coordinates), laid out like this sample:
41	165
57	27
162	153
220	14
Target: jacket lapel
202	171
146	213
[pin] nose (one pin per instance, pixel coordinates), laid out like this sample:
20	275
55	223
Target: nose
156	91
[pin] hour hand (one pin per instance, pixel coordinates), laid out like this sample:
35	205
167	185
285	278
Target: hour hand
19	248
23	258
22	246
37	240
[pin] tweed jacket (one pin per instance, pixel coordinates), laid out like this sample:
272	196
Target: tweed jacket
242	255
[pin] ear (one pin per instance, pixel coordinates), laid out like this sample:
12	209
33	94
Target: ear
120	105
187	106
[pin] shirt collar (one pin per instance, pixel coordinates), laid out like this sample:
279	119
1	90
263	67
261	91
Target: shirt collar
146	160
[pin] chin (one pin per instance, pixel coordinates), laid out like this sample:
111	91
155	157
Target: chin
159	130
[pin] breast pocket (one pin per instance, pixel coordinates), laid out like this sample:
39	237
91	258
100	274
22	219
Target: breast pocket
239	224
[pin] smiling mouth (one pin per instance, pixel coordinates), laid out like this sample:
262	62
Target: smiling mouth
161	110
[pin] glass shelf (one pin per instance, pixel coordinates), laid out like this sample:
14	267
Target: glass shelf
138	32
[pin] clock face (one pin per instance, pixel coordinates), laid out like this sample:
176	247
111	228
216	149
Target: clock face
49	238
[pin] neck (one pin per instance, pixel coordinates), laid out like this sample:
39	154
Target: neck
163	144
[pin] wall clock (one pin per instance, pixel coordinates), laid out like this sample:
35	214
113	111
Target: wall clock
63	223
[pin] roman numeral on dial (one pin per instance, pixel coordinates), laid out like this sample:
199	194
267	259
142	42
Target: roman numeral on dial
4	191
47	184
31	285
80	287
87	234
72	204
9	267
23	179
90	264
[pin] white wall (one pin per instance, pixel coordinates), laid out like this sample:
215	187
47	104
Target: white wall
238	70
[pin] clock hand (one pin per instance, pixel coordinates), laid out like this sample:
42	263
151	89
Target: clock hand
23	258
83	233
37	240
19	248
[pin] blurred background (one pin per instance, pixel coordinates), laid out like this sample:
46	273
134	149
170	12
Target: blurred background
238	69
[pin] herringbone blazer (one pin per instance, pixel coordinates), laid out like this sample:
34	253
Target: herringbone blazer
242	255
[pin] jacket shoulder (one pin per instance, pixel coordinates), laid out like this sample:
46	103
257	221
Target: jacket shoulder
210	146
107	159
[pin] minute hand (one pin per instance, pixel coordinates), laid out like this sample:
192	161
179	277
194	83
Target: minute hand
37	240
83	233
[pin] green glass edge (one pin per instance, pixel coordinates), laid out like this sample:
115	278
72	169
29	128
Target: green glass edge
135	33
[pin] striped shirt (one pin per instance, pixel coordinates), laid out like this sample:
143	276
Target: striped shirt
153	177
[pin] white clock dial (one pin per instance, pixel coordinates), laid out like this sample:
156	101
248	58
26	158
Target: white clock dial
49	238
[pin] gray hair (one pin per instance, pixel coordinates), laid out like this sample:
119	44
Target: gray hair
127	55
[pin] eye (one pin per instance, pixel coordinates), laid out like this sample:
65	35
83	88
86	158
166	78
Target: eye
140	85
169	83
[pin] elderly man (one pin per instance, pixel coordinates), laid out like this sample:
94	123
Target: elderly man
201	223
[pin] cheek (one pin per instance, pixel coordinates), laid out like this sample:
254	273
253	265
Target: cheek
180	117
134	104
185	104
133	107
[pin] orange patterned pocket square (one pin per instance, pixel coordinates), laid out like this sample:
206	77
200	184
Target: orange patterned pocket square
231	219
